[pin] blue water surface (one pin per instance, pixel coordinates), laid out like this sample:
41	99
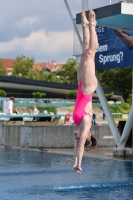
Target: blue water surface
33	175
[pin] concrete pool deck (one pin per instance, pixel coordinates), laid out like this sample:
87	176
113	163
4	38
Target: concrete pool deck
100	152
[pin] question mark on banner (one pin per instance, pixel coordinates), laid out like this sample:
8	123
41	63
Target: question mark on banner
121	55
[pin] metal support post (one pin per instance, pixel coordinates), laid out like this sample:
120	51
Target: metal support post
127	129
128	125
73	22
108	114
3	106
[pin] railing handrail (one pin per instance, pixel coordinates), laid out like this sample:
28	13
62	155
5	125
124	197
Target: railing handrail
31	115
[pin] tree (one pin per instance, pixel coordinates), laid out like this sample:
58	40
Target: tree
2	93
119	79
130	100
110	95
49	76
3	71
72	93
38	94
68	73
23	67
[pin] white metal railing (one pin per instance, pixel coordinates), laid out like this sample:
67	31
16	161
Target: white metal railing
117	115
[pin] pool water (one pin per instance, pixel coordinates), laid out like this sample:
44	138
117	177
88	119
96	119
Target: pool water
33	175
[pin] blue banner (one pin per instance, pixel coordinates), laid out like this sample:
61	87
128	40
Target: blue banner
115	49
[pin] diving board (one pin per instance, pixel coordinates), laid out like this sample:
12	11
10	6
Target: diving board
118	16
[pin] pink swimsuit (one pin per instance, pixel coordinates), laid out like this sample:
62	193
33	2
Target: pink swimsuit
81	102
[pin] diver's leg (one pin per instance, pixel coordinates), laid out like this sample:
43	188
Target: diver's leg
86	39
89	81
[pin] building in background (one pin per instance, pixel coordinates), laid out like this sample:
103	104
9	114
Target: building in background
44	66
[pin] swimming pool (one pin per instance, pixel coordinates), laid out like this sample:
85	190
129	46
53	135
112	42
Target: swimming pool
33	175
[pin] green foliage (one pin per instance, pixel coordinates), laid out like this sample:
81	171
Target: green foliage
68	73
72	93
115	108
110	95
119	79
23	67
49	76
123	108
71	108
49	109
2	93
129	100
38	94
3	71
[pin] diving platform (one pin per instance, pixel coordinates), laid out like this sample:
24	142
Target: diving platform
115	16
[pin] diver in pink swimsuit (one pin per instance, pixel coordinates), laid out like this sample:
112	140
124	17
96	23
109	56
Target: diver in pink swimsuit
81	102
87	84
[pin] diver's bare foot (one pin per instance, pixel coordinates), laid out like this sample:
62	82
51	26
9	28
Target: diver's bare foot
85	22
92	18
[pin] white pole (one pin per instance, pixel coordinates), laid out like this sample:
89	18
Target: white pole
127	129
73	22
110	2
128	126
108	114
85	6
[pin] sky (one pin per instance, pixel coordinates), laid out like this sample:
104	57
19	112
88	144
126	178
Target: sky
41	29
